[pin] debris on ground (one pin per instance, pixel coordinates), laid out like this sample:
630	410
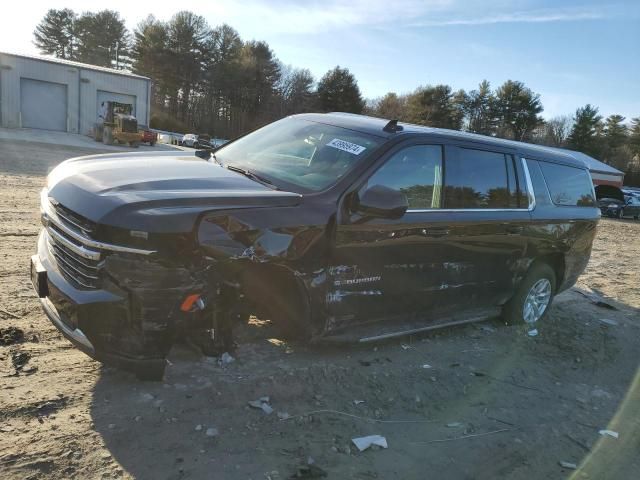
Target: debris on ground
13	315
365	442
596	299
568	465
212	432
262	404
426	366
198	428
11	335
607	321
608	433
533	333
309	471
226	359
19	360
454	425
283	415
358	402
606	305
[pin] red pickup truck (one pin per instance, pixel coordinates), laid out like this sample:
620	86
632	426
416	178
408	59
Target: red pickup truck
149	137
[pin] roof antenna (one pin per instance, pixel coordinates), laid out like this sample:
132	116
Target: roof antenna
392	126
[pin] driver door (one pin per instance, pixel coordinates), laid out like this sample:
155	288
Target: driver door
382	267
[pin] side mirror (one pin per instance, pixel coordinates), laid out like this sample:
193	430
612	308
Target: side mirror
382	202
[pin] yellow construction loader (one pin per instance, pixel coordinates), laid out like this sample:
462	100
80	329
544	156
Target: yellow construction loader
116	124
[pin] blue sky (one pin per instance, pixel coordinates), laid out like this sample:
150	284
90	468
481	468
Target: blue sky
572	52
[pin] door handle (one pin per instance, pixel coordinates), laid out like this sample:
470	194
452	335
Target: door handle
513	229
435	232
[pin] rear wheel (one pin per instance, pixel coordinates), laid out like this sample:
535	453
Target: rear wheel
533	298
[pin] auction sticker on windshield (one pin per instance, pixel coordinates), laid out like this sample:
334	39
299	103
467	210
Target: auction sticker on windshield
346	146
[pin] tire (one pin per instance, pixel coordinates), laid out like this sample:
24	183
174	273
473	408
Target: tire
151	144
98	131
514	311
635	217
107	136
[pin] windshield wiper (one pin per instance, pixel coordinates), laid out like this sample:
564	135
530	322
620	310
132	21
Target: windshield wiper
252	175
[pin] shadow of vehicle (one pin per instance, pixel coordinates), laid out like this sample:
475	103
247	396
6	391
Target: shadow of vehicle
484	400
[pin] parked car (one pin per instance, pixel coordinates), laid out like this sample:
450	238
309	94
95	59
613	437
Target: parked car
149	136
189	140
611	207
334	226
195	141
617	203
631	206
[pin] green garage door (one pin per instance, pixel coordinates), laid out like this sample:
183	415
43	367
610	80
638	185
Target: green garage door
43	105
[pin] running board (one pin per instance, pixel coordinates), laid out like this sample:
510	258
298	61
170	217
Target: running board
365	333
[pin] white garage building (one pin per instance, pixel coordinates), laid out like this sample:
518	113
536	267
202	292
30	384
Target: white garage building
53	94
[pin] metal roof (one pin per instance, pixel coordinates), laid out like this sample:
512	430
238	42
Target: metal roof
85	66
374	126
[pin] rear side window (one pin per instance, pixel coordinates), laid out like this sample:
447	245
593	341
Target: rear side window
568	186
478	179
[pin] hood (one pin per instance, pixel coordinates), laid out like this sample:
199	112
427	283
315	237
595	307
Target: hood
155	192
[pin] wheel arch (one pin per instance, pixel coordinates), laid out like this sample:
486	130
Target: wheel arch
556	261
276	291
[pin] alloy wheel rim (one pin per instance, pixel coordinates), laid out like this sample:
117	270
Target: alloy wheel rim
537	301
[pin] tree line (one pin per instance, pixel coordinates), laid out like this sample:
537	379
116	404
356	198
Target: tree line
208	79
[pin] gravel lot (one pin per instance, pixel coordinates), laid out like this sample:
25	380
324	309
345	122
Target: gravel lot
478	402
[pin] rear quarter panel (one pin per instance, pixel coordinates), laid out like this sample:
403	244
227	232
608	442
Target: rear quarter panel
560	232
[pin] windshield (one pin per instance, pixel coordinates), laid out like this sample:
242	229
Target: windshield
309	155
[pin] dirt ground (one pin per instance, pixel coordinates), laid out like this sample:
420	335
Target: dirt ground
482	401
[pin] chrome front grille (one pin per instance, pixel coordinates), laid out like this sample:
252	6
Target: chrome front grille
74	220
78	256
75	261
83	271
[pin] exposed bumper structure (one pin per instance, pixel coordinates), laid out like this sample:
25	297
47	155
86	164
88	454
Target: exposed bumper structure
74	335
100	322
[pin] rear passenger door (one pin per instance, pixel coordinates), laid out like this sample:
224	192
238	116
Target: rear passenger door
485	202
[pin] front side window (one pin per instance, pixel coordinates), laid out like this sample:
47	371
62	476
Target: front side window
415	171
478	179
300	153
569	186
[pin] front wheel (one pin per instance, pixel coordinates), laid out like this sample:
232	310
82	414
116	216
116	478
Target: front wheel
533	298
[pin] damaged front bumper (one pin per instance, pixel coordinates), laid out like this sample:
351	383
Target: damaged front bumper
130	324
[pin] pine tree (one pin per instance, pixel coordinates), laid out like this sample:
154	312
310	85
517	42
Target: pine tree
54	35
585	131
435	106
338	91
102	39
634	135
517	111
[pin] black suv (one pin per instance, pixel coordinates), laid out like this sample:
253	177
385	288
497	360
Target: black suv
331	225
